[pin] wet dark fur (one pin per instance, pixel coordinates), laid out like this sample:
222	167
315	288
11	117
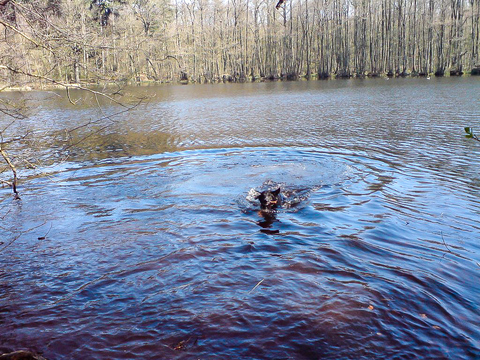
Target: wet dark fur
269	200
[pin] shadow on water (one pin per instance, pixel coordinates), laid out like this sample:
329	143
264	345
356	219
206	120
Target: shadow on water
159	254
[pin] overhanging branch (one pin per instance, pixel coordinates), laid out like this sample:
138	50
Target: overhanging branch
11	27
66	86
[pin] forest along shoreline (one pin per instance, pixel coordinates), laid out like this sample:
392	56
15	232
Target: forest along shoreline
34	86
98	41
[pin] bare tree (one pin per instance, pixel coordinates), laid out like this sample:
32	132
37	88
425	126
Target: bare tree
37	49
142	40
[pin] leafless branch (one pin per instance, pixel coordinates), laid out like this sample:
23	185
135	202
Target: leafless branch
22	34
20	235
12	140
13	169
66	86
444	243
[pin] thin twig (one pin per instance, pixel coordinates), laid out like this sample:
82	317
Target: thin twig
21	234
10	111
69	98
444	243
8	183
4	215
105	117
86	137
66	86
25	36
15	139
6	128
13	169
45	236
256	286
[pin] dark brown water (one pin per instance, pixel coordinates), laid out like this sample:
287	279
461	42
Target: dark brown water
154	248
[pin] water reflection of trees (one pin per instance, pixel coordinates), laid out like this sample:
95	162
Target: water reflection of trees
30	142
102	145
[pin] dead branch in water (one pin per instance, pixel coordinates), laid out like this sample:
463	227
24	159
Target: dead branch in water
12	167
444	243
20	235
13	184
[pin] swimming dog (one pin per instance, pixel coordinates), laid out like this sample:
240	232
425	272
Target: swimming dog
269	200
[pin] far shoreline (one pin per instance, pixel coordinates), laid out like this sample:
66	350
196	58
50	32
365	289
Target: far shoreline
225	79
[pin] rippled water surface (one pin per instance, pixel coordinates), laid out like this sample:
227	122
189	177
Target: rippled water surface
145	243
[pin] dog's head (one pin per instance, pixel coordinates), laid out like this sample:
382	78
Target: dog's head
269	200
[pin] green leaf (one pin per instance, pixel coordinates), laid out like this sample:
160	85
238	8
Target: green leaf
468	130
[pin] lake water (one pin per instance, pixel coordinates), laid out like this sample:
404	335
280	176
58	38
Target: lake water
146	242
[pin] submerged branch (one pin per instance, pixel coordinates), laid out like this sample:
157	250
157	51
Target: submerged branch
444	243
9	162
21	234
13	169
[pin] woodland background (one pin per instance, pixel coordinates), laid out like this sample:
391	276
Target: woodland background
91	41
